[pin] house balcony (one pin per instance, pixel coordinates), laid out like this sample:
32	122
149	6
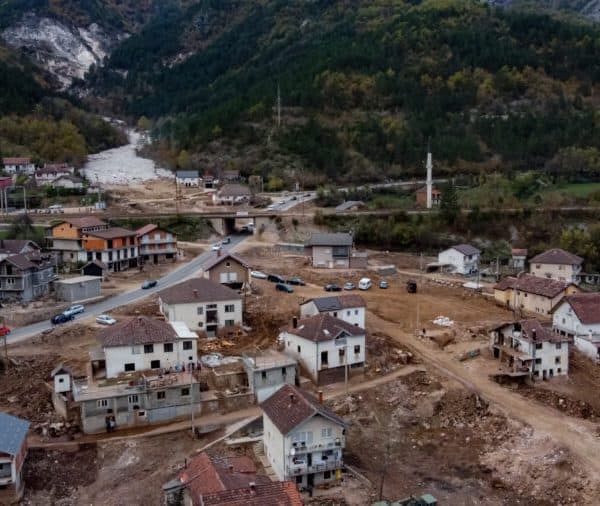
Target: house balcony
145	250
299	448
326	465
167	240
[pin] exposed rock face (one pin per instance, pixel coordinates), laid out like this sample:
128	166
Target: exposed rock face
65	51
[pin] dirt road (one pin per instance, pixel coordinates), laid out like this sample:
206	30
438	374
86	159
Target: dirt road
579	436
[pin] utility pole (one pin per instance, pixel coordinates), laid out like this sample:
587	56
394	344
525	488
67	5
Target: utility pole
278	106
192	401
346	367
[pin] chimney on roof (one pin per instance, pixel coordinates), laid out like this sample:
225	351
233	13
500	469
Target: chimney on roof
533	334
231	468
295	322
320	396
252	486
218	253
195	293
292	398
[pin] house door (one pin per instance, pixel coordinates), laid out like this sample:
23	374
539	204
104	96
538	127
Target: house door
309	459
310	481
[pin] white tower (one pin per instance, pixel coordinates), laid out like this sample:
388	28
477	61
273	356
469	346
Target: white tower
429	166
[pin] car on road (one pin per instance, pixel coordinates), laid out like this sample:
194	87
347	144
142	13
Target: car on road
225	241
349	286
73	310
295	281
258	275
104	319
282	287
61	318
149	283
274	278
383	284
332	288
4	330
216	247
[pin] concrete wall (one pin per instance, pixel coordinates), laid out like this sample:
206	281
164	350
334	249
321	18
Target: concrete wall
273	442
72	292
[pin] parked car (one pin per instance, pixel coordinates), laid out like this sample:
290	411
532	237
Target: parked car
149	283
274	278
4	330
61	318
411	286
295	281
349	286
104	319
282	287
364	284
258	275
332	288
73	310
216	247
383	284
227	240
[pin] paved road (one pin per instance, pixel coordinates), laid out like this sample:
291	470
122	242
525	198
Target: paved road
180	274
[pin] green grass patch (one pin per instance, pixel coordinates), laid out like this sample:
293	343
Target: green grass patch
578	190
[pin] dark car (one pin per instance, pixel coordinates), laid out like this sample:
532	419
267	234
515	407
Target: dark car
149	283
332	288
61	318
282	287
295	281
274	278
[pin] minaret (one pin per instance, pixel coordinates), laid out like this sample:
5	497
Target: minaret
429	166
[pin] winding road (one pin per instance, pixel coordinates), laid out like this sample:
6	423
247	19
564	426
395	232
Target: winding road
180	274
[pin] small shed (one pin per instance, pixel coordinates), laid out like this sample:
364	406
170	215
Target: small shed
61	376
78	288
95	268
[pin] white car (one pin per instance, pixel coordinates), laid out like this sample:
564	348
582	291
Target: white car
73	310
104	319
258	275
216	247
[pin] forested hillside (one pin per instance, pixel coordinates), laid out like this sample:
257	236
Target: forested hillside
363	84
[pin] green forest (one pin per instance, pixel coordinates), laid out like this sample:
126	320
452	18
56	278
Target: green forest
364	85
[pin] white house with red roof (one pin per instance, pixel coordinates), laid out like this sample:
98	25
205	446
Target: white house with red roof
556	264
18	165
578	317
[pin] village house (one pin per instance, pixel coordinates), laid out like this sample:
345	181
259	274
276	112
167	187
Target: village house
556	264
303	439
268	371
330	250
10	247
209	181
231	194
155	244
95	268
13	452
577	317
421	196
227	269
18	166
349	308
518	258
202	304
528	348
78	288
532	294
327	348
227	481
142	344
462	258
87	239
26	276
49	172
69	182
230	176
189	178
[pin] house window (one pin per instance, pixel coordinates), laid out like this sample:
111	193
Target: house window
229	308
155	364
168	347
102	403
326	432
356	311
148	348
185	392
284	372
161	395
324	358
211	306
557	360
10	281
558	346
200	325
348	313
187	345
538	360
538	266
132	399
357	349
263	375
563	320
299	349
335	314
558	370
200	310
228	264
136	350
342	353
229	323
538	346
130	367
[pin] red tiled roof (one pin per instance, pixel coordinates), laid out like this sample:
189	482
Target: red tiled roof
216	260
16	161
197	290
280	493
136	331
586	306
85	222
146	229
112	233
234	190
528	283
519	252
289	407
323	327
557	256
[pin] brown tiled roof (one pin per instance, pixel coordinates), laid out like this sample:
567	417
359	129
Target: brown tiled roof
20	261
97	262
337	302
207	475
586	306
85	222
15	246
528	283
216	260
323	327
466	249
197	290
138	330
54	168
146	229
16	161
279	493
289	407
557	256
520	252
234	190
112	233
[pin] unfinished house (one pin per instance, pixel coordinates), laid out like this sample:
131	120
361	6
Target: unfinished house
13	452
268	371
527	349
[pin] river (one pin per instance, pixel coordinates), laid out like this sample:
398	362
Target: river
123	166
